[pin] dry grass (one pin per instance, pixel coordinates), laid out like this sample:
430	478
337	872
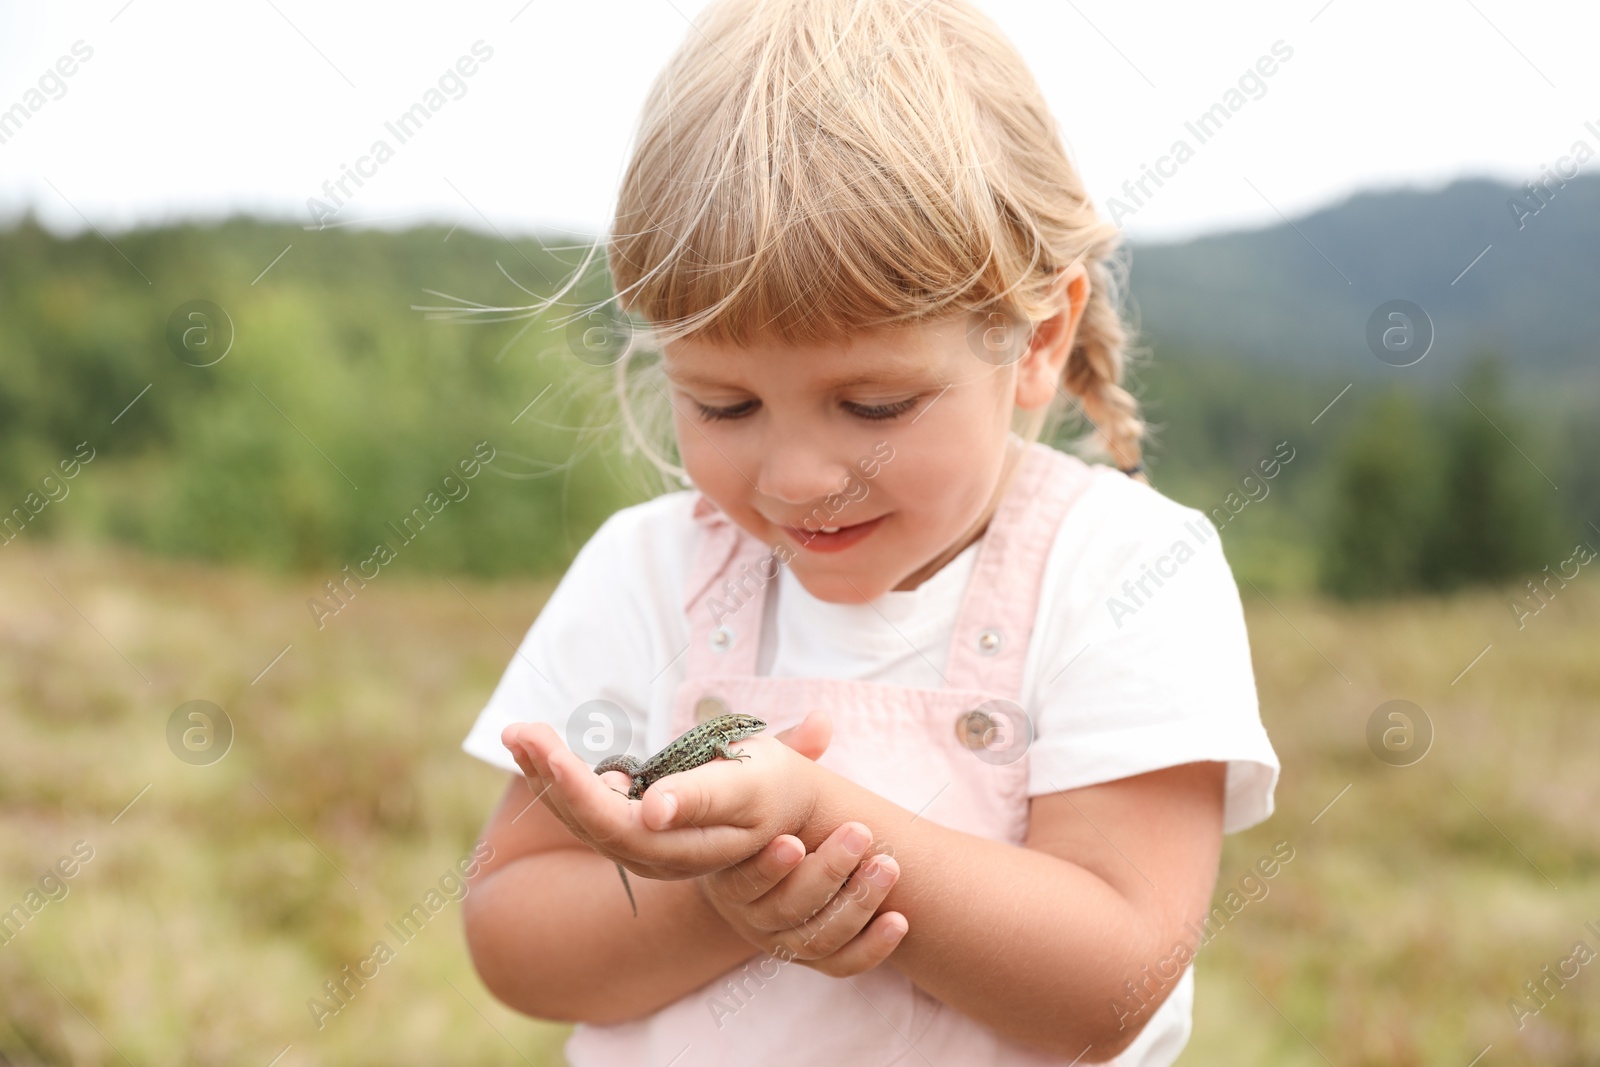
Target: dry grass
224	898
1419	903
220	901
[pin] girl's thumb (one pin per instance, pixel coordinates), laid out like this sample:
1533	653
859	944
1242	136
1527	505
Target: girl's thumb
810	736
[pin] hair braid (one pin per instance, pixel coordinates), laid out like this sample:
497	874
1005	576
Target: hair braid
1094	374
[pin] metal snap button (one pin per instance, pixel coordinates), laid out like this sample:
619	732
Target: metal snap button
709	707
973	728
989	641
999	731
721	639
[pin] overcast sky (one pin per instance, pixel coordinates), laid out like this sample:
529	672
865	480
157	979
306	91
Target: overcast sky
200	109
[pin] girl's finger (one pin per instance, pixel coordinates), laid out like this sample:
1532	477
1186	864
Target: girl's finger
846	915
525	749
816	881
541	781
542	745
744	882
512	739
721	792
531	744
866	950
811	735
605	812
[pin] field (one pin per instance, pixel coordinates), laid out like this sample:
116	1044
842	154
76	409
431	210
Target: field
218	898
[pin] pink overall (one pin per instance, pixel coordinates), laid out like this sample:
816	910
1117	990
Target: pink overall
919	747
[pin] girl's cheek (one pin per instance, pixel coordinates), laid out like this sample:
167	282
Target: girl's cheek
695	449
709	463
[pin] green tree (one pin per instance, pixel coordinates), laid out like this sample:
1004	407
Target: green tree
1497	513
1383	505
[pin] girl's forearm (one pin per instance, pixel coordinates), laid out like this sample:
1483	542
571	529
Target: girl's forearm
551	935
1029	944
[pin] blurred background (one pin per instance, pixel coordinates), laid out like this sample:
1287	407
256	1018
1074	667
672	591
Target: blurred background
220	389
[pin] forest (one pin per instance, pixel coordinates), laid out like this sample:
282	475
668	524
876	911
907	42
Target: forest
246	391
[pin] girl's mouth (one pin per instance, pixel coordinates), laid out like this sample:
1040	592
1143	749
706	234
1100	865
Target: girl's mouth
832	538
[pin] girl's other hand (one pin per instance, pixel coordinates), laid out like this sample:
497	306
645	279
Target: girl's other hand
800	907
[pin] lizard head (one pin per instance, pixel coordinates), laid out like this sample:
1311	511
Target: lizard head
739	726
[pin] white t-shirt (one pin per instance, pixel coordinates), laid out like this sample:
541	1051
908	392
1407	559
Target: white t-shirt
1138	660
1119	680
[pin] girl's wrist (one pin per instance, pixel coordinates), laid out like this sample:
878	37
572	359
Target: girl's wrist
830	801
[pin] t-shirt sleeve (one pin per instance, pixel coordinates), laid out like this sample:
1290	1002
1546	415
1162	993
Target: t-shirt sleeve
584	665
1148	666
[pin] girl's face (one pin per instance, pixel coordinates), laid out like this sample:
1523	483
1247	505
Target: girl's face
898	440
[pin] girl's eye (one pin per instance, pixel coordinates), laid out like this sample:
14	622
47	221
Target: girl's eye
736	411
882	411
865	411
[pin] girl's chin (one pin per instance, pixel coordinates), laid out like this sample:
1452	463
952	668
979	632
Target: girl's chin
838	586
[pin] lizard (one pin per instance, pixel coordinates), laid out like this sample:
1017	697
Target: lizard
694	748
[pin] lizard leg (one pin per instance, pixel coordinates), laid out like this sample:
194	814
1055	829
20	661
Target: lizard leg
731	753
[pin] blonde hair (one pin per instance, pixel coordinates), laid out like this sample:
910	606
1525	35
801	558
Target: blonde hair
806	169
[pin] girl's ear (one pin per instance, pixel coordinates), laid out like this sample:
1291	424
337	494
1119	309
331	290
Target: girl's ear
1040	368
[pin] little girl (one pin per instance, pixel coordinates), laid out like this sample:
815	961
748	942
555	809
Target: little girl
1009	703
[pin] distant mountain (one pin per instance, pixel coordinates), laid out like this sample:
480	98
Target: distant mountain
1301	294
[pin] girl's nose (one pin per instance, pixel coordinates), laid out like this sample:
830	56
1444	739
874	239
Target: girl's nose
800	472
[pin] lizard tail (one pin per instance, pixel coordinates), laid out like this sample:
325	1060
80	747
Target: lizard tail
623	871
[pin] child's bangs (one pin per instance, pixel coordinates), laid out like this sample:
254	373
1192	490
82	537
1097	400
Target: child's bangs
810	184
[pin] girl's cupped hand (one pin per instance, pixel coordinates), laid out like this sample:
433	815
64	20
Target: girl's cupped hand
688	824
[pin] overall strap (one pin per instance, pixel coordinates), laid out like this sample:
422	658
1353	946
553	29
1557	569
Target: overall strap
725	595
990	646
